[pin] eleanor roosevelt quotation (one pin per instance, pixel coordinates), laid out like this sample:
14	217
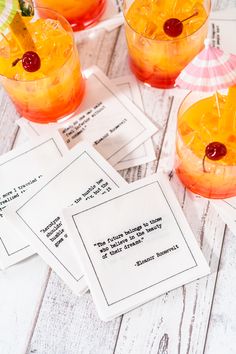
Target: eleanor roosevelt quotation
130	238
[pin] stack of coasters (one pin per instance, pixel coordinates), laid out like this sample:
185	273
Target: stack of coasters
123	135
81	175
22	169
127	243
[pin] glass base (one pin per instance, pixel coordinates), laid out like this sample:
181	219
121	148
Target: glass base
56	118
153	79
88	20
203	191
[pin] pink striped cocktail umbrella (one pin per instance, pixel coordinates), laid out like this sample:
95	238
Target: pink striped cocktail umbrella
209	71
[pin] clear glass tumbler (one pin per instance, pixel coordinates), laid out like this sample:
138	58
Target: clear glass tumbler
206	144
157	58
56	89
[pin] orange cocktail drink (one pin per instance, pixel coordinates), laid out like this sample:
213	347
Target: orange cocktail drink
206	144
80	13
55	89
163	37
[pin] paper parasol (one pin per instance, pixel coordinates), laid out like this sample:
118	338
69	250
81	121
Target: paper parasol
210	70
8	9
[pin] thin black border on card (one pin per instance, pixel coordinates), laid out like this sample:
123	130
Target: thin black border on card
137	292
9	254
130	88
33	148
33	128
145	150
130	112
231	205
17	211
12	253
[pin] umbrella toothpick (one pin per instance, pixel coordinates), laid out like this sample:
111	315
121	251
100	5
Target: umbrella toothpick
218	104
227	123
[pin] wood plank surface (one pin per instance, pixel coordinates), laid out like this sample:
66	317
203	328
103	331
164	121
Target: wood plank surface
8	128
39	314
22	289
222	327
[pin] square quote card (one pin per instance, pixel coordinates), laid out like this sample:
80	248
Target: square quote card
81	175
20	170
109	121
134	246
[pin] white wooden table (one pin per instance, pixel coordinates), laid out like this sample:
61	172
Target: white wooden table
38	312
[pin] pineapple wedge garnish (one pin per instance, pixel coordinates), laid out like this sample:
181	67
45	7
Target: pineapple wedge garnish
18	26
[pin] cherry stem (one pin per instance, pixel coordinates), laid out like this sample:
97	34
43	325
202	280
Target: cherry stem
195	14
16	61
203	164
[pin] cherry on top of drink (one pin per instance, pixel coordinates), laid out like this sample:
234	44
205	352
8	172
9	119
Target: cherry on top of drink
30	61
215	151
147	17
173	27
52	43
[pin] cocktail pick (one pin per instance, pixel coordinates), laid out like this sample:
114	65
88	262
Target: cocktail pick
229	114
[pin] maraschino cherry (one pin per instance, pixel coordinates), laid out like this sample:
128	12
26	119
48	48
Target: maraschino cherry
30	61
214	151
173	27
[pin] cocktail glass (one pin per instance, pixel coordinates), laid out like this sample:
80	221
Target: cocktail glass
56	89
206	144
80	13
155	57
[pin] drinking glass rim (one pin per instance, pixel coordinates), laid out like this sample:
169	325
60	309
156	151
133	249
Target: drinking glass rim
207	93
69	54
170	40
218	164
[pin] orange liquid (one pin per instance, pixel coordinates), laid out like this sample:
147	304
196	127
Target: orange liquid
57	88
80	13
198	126
156	58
